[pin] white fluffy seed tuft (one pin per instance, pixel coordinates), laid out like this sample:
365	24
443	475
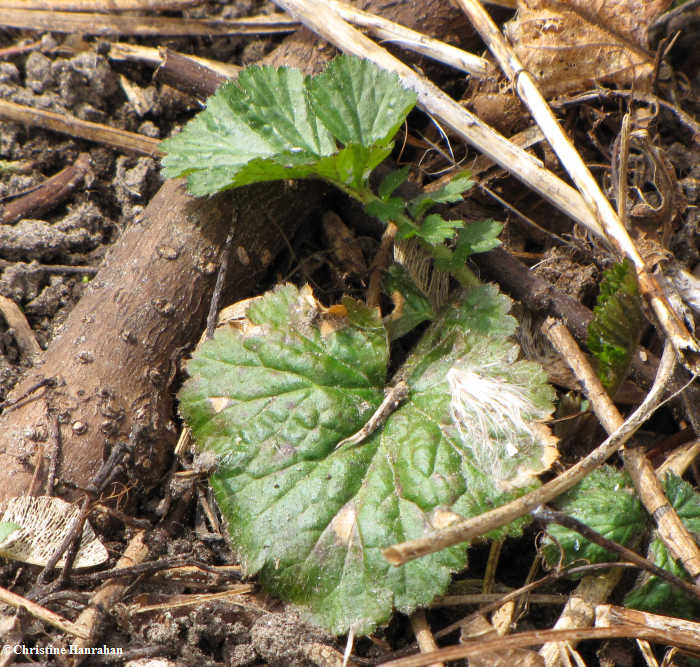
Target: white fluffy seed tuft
491	416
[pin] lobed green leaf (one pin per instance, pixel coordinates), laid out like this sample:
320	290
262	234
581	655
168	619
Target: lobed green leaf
392	181
605	501
274	124
360	103
657	595
273	401
449	193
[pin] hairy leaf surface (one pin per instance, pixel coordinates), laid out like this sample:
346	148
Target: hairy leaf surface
273	401
605	501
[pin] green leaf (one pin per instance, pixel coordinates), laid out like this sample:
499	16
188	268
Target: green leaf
657	595
448	194
351	166
392	181
613	334
360	103
274	124
411	305
274	400
387	210
284	385
7	528
436	230
685	500
605	501
478	236
218	144
273	102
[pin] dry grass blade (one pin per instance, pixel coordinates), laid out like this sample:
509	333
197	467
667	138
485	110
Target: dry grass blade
46	615
186	600
105	24
673	637
411	39
579	611
608	616
158	57
99	5
76	127
424	636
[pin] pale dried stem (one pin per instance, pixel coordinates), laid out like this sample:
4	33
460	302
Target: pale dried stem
156	57
614	231
76	127
686	637
608	616
623	165
46	615
680	460
179	600
579	611
412	40
424	636
91	618
99	5
485	598
116	24
15	319
381	261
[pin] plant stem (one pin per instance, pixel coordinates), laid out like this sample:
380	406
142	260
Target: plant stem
463	274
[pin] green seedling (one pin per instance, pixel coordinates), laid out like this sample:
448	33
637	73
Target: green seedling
323	460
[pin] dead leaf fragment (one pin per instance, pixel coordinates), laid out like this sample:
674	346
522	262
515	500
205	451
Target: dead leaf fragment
572	46
44	522
630	19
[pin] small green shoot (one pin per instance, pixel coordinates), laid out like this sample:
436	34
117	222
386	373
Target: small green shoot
614	332
311	496
274	124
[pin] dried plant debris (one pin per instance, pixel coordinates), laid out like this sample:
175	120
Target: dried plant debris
43	524
569	46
